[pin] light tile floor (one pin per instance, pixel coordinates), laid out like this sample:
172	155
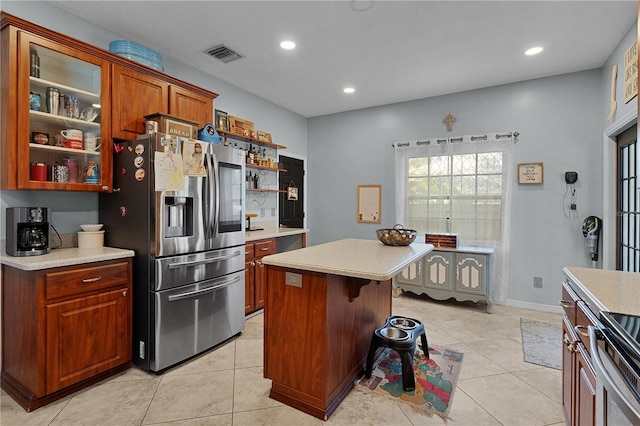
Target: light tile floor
225	386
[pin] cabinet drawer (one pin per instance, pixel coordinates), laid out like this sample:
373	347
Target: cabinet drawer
585	318
249	252
74	281
568	301
265	247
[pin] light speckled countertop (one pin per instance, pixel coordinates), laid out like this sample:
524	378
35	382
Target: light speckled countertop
279	232
368	259
64	257
607	290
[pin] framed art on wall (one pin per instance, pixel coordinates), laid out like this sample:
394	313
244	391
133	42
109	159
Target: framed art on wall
369	203
222	120
530	173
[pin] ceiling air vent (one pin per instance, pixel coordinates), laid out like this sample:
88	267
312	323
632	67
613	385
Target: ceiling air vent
223	53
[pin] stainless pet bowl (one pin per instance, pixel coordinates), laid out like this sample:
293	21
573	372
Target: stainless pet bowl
394	333
404	323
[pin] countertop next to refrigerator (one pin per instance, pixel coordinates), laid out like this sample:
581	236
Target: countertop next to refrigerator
273	233
65	257
607	290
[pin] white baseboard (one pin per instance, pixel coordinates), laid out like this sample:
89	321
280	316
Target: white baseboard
535	306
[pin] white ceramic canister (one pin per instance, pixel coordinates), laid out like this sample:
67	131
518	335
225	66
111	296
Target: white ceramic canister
93	239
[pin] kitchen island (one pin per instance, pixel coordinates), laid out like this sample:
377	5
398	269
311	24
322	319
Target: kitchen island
322	305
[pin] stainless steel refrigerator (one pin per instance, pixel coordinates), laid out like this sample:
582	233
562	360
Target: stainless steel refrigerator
179	204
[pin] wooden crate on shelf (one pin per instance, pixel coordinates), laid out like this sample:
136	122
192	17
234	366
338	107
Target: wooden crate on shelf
442	240
263	136
240	126
172	125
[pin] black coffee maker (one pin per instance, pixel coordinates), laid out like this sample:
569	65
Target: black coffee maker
28	231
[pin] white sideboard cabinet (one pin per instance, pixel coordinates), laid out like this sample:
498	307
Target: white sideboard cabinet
464	273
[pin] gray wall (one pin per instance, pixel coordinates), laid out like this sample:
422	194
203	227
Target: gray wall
355	148
561	121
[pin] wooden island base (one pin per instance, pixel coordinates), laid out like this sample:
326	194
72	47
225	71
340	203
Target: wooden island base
318	329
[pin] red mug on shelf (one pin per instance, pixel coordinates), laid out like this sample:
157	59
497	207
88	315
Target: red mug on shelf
39	171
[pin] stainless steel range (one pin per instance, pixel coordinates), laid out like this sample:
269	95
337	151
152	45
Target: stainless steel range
615	351
179	204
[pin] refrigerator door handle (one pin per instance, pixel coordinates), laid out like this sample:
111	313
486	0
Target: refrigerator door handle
195	293
204	261
209	194
216	188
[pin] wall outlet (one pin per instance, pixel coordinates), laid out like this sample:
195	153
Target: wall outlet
537	282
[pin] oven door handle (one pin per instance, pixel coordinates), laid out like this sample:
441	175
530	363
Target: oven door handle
603	375
204	261
191	294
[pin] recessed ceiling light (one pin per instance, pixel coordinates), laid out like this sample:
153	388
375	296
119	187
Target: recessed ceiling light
288	45
360	5
348	90
533	51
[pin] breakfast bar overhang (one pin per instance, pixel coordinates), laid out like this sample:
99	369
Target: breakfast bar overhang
322	305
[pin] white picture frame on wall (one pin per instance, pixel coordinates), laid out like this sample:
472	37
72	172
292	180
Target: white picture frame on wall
369	203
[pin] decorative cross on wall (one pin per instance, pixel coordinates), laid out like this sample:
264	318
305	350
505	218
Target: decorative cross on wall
448	121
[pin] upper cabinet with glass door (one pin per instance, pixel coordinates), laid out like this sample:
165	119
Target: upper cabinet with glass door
57	135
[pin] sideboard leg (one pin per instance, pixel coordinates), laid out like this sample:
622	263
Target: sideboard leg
489	306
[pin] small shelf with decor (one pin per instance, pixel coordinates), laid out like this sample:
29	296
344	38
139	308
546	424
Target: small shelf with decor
261	163
248	139
264	190
272	169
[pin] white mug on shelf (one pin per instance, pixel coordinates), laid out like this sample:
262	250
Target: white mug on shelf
72	134
91	142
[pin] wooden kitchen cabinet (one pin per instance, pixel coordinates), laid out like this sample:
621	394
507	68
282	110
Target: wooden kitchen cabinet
585	388
120	90
139	93
135	95
64	329
192	105
578	375
30	134
256	272
569	340
249	278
